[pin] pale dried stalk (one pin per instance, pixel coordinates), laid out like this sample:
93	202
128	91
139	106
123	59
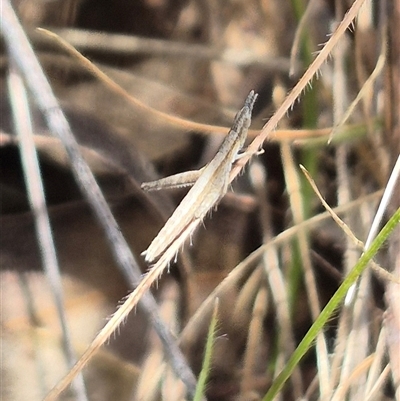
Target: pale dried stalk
379	386
275	278
362	92
353	376
296	204
378	363
254	339
37	200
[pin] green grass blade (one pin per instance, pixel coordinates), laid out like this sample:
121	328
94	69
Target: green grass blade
205	370
331	306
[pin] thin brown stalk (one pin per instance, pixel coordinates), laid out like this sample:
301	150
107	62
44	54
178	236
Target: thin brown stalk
95	71
382	273
334	216
307	77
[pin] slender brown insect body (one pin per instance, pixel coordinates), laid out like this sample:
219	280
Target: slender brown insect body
210	184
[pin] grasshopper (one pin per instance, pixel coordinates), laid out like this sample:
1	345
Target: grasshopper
209	184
